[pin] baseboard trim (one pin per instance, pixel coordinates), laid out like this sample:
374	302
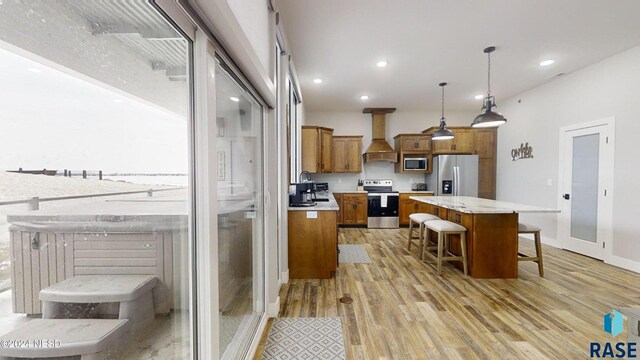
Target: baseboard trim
284	277
624	263
545	240
274	308
256	338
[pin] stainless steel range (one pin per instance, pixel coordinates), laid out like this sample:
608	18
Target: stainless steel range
383	204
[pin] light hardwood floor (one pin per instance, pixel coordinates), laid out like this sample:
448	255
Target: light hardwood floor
402	310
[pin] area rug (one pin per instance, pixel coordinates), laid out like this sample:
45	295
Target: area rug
353	254
305	338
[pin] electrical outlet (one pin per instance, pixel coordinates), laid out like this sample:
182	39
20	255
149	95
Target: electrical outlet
549	182
339	180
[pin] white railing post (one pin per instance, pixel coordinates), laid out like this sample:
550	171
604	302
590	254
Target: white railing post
34	203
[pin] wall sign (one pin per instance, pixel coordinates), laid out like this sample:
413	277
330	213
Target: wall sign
523	152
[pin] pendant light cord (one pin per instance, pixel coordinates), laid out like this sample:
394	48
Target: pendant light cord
442	102
489	75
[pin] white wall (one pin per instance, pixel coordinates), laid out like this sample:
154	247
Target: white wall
253	17
357	123
608	88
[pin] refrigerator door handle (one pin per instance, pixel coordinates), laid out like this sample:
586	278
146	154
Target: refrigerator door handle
456	181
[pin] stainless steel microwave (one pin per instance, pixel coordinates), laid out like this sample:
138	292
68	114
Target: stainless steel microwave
415	164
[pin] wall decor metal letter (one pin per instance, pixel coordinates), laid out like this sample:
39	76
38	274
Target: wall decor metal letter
523	152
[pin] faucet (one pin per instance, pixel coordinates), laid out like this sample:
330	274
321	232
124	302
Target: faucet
307	177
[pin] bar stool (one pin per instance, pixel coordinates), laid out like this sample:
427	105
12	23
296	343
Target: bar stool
531	229
445	229
420	219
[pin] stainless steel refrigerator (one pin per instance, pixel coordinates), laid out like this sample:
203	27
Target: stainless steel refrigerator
454	175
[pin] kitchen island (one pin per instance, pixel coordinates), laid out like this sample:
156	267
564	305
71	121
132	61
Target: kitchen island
313	240
492	231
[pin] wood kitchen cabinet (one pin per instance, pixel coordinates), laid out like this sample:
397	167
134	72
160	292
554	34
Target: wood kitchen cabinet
313	244
486	147
317	149
413	142
354	209
347	154
338	198
412	146
463	142
407	206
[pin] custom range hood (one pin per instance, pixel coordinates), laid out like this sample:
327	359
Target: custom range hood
379	149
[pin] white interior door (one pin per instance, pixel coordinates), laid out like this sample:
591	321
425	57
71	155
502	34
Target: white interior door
586	167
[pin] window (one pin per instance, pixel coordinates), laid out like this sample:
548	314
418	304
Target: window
240	190
95	101
294	132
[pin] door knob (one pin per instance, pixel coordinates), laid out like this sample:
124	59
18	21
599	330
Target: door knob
566	196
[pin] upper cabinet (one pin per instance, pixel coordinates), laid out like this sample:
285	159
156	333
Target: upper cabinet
485	143
462	143
416	146
317	149
347	154
417	143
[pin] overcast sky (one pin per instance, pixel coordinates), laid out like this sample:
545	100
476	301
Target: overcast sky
49	119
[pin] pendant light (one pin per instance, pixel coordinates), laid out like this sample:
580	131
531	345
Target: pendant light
443	133
488	118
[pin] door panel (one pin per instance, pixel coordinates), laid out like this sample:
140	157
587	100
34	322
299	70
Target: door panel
585	187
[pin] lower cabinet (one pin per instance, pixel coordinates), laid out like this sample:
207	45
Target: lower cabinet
353	208
408	207
313	244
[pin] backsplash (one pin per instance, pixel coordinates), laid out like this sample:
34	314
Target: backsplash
371	171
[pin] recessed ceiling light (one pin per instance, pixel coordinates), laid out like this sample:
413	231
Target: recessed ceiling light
234	99
35	70
382	63
364	97
547	62
317	81
478	97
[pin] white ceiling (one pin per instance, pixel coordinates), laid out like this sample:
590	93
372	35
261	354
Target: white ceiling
426	42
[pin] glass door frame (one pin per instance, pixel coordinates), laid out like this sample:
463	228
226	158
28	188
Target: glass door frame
206	269
604	242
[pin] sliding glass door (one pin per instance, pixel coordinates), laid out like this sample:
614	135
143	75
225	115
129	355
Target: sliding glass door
239	154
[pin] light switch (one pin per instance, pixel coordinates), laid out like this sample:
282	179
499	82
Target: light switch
549	182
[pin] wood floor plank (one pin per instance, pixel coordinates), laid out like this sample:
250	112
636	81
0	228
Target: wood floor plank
402	310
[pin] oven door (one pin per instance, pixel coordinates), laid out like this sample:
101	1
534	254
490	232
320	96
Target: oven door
383	210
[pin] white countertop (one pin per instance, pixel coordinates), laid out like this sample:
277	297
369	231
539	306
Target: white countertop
350	192
330	205
416	192
474	205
